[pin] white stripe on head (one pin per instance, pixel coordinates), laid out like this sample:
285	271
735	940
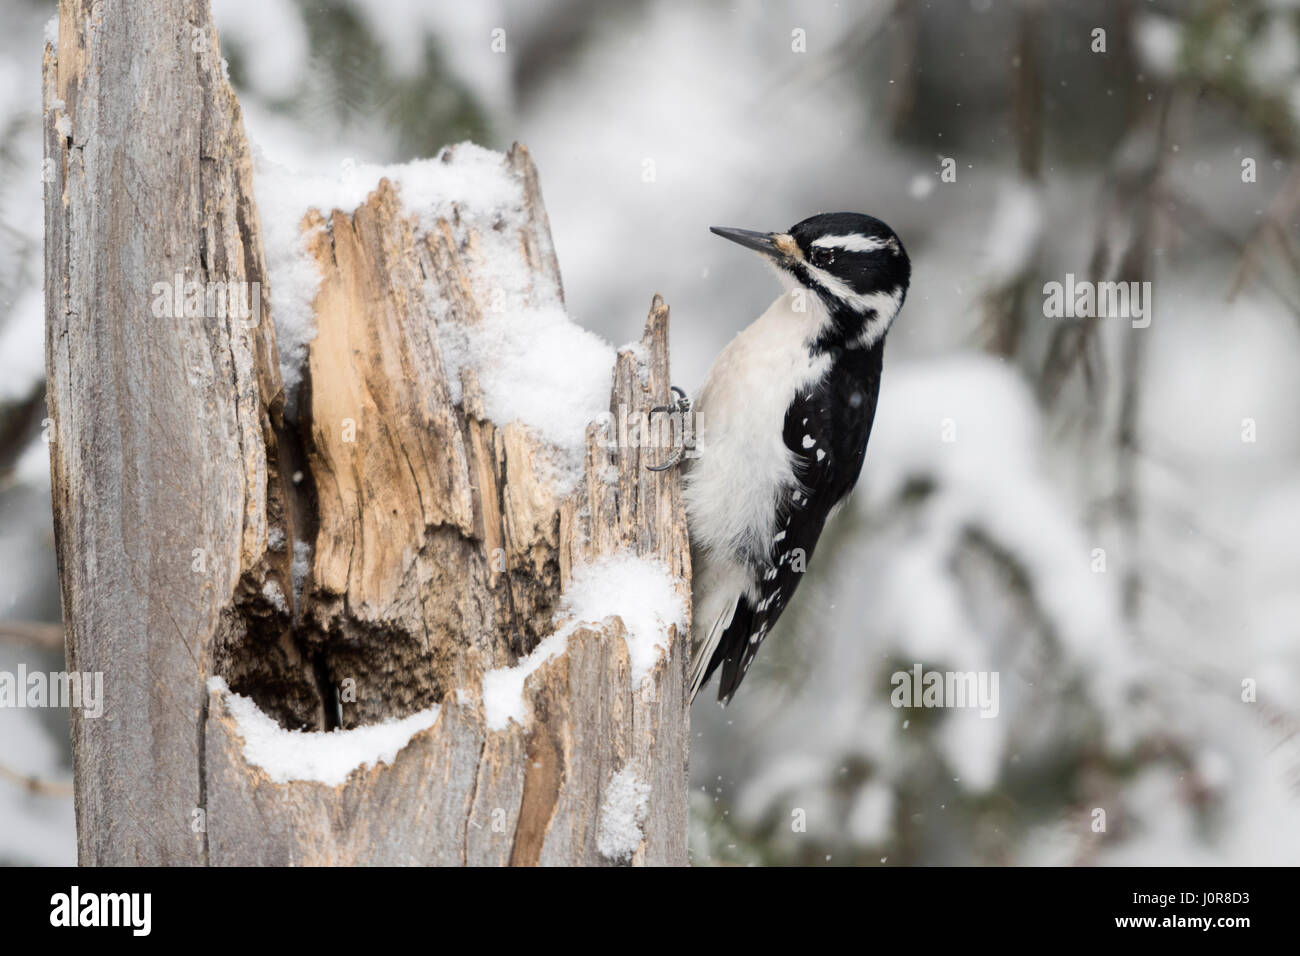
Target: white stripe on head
884	305
853	242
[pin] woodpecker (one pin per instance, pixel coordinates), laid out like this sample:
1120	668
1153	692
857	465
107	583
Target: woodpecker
781	428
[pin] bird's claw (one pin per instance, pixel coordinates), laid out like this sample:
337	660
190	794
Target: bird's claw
682	407
683	403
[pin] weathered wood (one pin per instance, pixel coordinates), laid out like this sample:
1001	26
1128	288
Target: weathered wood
438	550
160	424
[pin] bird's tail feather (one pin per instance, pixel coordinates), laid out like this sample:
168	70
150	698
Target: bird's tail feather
709	653
702	653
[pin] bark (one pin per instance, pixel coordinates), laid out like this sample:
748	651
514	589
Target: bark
439	549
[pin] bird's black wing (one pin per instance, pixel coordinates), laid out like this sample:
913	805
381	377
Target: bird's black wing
827	430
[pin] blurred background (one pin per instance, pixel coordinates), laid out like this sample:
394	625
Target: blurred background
1107	517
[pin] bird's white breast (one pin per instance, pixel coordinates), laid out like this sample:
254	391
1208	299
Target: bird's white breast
743	468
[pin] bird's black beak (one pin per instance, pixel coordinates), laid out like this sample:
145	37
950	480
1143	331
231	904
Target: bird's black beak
764	242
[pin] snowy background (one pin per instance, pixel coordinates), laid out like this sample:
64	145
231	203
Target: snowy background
1105	516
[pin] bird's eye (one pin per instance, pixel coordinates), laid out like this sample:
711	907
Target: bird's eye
822	258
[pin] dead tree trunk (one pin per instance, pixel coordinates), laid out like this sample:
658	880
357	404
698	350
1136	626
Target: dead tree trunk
432	550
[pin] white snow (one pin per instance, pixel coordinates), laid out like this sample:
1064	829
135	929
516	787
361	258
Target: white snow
271	591
533	363
503	687
990	478
622	813
52	32
870	818
283	198
1159	40
1017	224
539	368
921	185
638	590
328	758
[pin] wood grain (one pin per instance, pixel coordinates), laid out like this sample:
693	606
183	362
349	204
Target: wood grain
438	548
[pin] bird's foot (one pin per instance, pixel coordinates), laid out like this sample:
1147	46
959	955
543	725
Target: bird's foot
681	407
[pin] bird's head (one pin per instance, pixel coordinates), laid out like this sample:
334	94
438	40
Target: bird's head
854	264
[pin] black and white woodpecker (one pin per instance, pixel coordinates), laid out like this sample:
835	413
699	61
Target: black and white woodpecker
782	422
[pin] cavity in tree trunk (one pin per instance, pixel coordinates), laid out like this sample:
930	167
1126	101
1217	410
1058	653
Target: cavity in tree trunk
235	571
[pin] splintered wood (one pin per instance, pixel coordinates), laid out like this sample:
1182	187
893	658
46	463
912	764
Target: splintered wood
371	559
440	553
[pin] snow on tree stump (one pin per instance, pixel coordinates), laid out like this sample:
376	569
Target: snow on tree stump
372	618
